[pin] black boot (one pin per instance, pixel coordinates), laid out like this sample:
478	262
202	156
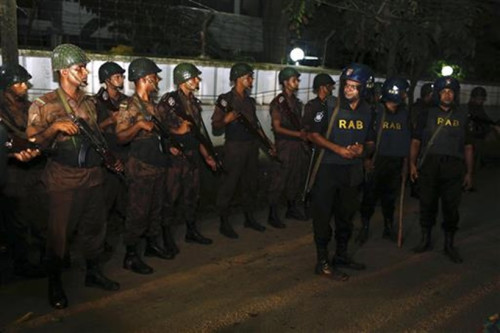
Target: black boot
169	241
251	223
134	263
226	229
364	232
194	236
153	249
341	259
324	268
449	249
57	296
389	232
294	212
425	242
95	278
274	219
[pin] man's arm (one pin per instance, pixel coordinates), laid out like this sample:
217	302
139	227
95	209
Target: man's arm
322	142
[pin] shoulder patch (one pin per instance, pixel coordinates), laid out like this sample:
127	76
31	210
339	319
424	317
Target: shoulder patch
319	116
171	101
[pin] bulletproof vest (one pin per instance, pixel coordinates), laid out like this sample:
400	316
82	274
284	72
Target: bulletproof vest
177	103
350	126
236	131
396	136
450	140
290	115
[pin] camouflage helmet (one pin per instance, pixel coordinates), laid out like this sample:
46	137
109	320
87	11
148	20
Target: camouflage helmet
287	73
240	69
141	67
12	74
67	55
108	69
184	72
322	79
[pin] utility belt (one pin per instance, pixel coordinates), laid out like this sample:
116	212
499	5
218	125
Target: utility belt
443	158
76	154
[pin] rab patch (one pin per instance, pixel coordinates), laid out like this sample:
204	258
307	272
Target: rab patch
171	101
319	116
281	99
223	103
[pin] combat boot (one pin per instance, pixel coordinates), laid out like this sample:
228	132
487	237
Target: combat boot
294	212
323	267
251	223
57	296
153	249
341	259
364	232
169	241
389	232
425	242
194	236
226	229
274	219
449	249
95	278
134	263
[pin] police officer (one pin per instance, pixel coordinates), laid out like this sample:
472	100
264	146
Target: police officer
323	86
74	174
422	103
145	167
23	200
387	162
108	98
340	172
241	148
446	163
183	174
291	147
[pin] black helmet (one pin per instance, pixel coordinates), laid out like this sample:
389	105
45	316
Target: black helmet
359	73
184	72
108	69
67	55
446	82
478	92
287	73
393	90
426	89
11	74
322	79
240	69
141	67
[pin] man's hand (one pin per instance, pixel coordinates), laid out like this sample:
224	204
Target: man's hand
357	149
211	163
413	172
146	125
174	151
65	126
26	155
230	117
467	183
118	166
346	153
303	135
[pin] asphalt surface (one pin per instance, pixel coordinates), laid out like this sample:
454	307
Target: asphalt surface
264	282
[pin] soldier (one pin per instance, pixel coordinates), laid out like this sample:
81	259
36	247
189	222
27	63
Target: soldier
385	167
146	166
422	103
23	199
323	86
342	133
183	175
291	147
74	174
108	100
241	148
444	139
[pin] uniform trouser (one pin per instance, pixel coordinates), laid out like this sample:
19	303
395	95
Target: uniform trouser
241	163
290	176
182	188
116	198
441	178
145	197
331	199
383	184
80	210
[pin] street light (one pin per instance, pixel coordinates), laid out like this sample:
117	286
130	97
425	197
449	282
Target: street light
297	54
446	70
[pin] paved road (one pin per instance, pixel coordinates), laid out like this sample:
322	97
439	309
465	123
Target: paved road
264	282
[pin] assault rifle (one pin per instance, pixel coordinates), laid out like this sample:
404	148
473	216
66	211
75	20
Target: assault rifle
204	140
98	144
19	142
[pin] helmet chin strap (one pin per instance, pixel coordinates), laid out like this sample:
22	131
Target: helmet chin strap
81	83
114	86
155	86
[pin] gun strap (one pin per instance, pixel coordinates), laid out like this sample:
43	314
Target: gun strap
322	152
13	128
431	141
379	136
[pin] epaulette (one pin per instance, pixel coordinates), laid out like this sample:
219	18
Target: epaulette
124	104
39	102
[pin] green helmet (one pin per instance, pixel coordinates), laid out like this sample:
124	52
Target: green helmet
11	74
109	68
322	79
287	73
67	55
141	67
184	72
240	69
